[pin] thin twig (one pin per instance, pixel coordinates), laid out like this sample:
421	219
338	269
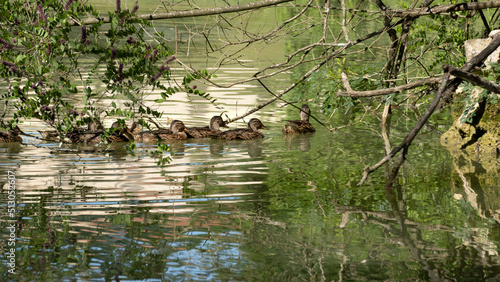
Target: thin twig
192	13
444	90
312	70
385	91
279	97
413	133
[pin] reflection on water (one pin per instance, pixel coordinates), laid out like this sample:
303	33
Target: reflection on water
298	141
275	209
279	208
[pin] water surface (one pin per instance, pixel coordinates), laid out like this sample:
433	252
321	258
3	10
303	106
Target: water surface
283	208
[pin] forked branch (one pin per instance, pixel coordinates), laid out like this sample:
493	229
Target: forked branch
443	90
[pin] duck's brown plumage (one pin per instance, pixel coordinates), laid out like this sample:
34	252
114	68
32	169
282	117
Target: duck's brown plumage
11	135
212	129
176	132
302	125
134	128
251	132
49	135
149	136
121	134
52	135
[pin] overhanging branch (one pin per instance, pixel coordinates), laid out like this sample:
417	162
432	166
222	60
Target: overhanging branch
266	3
472	6
385	91
474	79
312	70
444	88
193	13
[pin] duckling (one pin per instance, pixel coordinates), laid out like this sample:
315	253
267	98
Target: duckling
177	131
121	134
213	128
92	127
243	133
95	126
134	128
53	135
302	125
11	135
49	135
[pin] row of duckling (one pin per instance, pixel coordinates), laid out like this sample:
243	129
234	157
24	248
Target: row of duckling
178	131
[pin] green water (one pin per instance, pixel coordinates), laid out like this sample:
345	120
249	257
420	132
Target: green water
272	209
276	209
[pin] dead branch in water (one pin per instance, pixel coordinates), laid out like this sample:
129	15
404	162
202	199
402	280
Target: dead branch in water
409	138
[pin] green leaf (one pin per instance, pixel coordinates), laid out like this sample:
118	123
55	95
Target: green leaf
20	58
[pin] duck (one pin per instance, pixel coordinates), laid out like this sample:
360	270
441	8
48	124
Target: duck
53	135
120	133
251	132
177	131
302	125
216	122
11	135
49	135
95	126
134	128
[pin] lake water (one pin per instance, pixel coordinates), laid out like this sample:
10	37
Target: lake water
277	209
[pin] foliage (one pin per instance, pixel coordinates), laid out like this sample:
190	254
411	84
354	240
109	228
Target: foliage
324	85
431	42
68	76
158	154
469	102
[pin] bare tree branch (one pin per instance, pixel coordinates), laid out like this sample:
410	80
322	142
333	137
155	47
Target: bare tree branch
472	6
474	79
409	138
380	92
475	61
311	71
267	36
443	89
194	13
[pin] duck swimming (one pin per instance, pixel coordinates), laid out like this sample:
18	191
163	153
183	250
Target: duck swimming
177	131
251	132
302	125
121	133
213	128
92	127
